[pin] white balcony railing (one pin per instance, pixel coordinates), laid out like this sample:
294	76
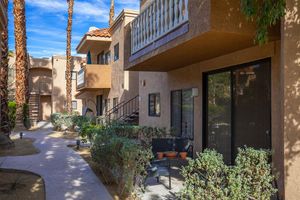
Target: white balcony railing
80	78
158	19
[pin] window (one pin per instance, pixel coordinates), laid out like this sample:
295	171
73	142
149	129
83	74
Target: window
154	105
182	113
99	108
116	52
88	58
73	75
74	105
101	58
237	105
107	58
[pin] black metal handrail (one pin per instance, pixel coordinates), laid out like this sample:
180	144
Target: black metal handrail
123	110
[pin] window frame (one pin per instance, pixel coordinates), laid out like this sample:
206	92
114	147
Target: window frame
155	113
205	112
116	52
74	101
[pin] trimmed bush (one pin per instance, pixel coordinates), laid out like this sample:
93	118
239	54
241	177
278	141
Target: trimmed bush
64	121
121	160
208	178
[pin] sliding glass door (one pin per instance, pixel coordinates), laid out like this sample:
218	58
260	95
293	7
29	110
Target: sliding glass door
238	109
182	113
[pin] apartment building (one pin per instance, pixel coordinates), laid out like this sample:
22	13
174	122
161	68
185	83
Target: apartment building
202	74
104	86
47	85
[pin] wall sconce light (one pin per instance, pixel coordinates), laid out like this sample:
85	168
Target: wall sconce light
21	135
143	83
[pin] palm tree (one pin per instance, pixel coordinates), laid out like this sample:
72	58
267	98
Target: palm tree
111	12
69	57
4	120
21	64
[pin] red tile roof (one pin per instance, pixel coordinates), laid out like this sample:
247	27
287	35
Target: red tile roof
101	32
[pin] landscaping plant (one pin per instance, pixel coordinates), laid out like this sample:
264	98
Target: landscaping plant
121	160
12	106
208	178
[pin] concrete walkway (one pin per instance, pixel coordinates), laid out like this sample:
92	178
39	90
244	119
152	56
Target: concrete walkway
67	176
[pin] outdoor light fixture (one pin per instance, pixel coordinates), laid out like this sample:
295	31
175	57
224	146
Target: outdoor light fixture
21	135
77	144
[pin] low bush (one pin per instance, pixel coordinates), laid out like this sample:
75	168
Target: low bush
12	108
61	121
208	178
121	160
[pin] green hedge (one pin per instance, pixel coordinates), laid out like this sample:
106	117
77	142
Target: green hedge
12	108
208	178
61	120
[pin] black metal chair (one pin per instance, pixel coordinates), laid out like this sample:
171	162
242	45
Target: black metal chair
160	168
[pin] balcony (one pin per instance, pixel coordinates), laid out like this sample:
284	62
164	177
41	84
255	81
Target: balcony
170	34
93	77
157	20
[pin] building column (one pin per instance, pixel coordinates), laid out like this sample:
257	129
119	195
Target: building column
290	70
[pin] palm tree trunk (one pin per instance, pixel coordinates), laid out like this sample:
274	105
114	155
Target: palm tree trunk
4	119
69	57
21	64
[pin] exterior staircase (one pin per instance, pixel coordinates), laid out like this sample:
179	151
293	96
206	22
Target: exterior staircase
34	107
125	112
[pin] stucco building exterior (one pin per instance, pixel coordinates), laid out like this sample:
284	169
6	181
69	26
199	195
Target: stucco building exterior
200	72
102	82
47	85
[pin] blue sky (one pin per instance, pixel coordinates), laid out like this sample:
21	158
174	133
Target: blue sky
46	22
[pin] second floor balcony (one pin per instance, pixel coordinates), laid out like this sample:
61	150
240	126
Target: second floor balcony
93	77
170	34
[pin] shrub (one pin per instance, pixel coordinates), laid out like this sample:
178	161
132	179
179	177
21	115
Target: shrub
12	108
90	131
121	160
55	120
61	120
207	177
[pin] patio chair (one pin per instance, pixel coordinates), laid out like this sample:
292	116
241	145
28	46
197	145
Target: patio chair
160	168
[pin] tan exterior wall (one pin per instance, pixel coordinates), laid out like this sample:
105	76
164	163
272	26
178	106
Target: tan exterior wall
192	77
59	83
37	78
290	72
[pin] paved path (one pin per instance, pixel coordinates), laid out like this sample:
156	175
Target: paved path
67	176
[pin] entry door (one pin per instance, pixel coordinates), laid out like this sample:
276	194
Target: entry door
238	109
99	105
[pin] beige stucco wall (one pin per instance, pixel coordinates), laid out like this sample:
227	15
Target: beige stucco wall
192	77
59	83
291	95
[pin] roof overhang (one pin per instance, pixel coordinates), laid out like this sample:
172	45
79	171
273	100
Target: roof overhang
92	42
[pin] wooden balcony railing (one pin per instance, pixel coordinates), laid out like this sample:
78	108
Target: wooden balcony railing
158	19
